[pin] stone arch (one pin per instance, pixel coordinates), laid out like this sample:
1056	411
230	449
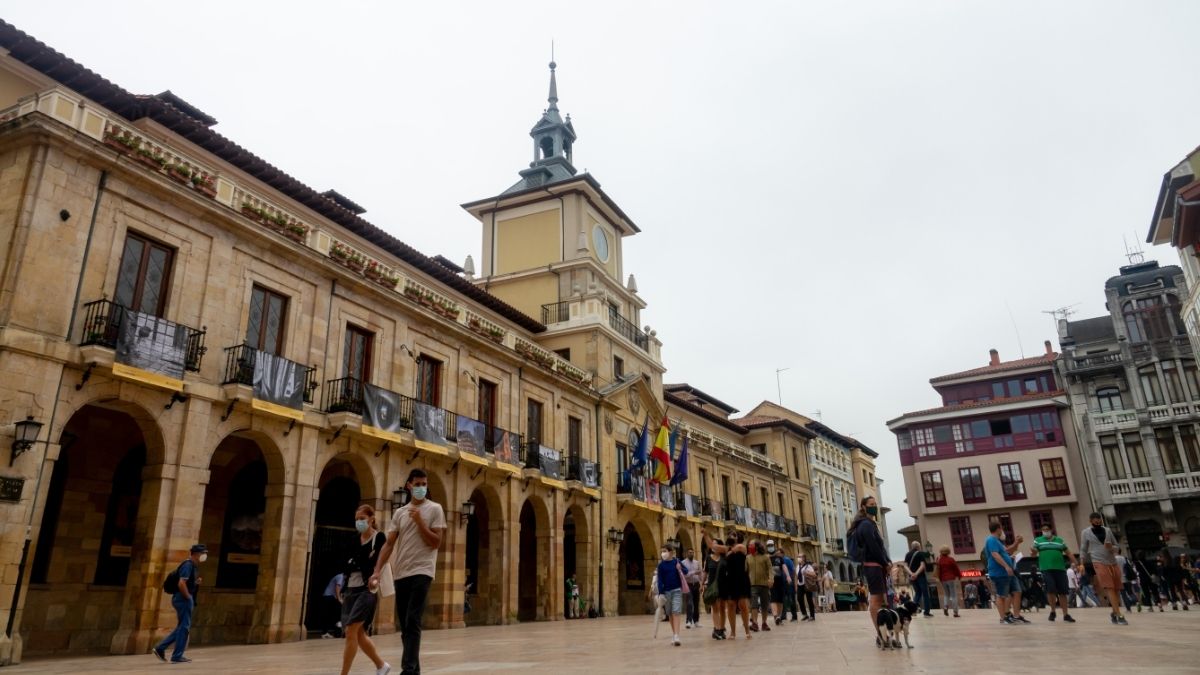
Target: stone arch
342	485
636	559
242	524
578	558
95	544
484	557
535	571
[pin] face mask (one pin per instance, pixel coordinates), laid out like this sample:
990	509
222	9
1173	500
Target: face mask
418	492
360	525
872	510
203	557
1046	533
770	549
664	555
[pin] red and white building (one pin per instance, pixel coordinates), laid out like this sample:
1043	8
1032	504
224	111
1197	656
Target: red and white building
1001	447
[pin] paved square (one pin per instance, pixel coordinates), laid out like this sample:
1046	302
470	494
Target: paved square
837	643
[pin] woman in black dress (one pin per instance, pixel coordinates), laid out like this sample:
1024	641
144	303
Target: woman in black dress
358	599
734	585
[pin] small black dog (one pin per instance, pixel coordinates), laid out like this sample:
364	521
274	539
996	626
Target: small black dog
891	623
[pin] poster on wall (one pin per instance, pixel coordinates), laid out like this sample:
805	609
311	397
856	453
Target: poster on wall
668	497
152	344
504	446
381	409
550	462
279	381
590	474
635	575
429	424
691	505
637	488
714	510
471	436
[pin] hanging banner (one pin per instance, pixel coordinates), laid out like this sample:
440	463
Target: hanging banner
381	411
637	487
550	462
430	425
472	435
715	511
504	446
691	505
279	381
668	497
590	473
155	347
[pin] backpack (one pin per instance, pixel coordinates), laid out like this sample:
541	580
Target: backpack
810	578
171	583
854	547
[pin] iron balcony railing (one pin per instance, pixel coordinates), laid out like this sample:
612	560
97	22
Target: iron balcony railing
346	395
556	312
808	530
239	369
629	331
102	323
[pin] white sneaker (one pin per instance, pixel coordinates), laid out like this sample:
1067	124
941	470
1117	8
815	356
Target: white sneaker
326	636
387	668
688	625
675	640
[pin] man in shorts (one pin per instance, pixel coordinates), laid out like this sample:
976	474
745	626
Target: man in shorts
1002	574
1098	546
1052	556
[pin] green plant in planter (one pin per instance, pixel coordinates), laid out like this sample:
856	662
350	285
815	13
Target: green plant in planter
298	229
339	251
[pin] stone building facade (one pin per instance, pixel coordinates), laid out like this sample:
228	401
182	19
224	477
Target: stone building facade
1135	395
206	349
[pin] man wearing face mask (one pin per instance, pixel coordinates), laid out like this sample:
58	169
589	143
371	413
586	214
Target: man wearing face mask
416	532
691	601
184	602
1052	556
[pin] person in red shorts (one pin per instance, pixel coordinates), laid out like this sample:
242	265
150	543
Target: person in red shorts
1098	548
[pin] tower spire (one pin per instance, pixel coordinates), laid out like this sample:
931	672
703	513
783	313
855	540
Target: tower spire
553	98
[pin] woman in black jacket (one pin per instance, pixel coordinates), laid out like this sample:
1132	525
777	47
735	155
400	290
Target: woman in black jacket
358	598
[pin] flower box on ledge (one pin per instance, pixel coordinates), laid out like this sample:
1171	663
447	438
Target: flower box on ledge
485	328
377	273
180	174
155	162
347	257
123	142
205	184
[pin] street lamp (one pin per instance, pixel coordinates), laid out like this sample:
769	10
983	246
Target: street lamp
24	435
468	510
613	536
399	497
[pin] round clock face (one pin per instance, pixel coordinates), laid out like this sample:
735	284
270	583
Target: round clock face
600	241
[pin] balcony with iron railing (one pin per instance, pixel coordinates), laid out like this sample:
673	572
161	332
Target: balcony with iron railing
556	312
808	531
240	361
346	395
104	321
628	329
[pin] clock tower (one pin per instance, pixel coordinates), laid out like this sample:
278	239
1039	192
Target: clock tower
552	248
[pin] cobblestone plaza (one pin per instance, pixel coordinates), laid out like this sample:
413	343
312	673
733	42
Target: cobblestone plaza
835	643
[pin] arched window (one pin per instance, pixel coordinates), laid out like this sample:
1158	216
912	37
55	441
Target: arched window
1109	399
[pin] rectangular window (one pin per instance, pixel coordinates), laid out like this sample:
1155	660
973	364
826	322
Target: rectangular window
1031	386
429	380
1006	524
980	429
1168	449
766	500
356	356
961	537
760	448
725	489
1191	447
704	484
972	485
574	437
1020	424
144	276
745	493
1136	454
1039	518
800	511
1174	383
997	390
1113	461
1054	477
779	498
533	422
268	311
618	367
564	354
1000	427
485	409
796	461
1011	482
935	493
942	434
1150	385
1014	388
1190	376
623	462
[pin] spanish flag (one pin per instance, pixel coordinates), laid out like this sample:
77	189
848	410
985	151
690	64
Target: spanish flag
660	456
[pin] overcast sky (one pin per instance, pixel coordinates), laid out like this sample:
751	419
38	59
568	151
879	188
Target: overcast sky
869	194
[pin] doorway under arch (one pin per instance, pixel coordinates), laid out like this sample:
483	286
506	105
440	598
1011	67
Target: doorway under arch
333	532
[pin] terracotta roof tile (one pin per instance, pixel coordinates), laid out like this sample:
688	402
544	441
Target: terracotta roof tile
1003	366
982	404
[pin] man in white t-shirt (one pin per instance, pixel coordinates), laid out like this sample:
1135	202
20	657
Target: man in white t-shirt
416	532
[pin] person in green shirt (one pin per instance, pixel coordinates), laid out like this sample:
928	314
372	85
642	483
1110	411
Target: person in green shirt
1052	556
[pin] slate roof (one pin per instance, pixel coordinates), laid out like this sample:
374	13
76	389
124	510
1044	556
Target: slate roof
1003	366
184	122
1098	329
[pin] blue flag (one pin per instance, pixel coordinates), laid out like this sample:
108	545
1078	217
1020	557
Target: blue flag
641	454
681	465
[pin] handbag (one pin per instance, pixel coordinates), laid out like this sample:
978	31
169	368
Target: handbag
682	579
711	592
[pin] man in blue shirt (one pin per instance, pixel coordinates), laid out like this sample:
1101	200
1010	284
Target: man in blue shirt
183	599
1003	575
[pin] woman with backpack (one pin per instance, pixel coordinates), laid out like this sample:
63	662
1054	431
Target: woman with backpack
865	545
806	588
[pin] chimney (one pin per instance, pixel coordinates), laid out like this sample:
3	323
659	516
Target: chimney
1049	349
995	357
